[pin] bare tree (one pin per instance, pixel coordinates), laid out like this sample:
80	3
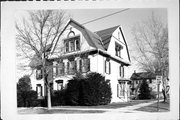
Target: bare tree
151	41
35	37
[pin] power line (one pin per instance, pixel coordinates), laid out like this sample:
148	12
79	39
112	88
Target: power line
106	16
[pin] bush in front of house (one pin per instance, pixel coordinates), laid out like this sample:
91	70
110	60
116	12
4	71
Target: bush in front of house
89	90
58	97
144	91
26	97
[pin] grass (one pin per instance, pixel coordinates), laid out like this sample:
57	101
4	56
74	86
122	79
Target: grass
54	111
163	107
86	109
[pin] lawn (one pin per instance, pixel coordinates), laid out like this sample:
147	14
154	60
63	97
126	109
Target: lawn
54	111
78	109
163	107
109	106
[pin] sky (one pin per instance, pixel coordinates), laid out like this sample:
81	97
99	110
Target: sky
126	19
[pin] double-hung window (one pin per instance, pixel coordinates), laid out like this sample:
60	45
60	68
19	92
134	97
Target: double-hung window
71	67
60	69
121	89
85	65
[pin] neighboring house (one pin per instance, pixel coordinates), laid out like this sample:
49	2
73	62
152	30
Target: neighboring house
137	79
80	50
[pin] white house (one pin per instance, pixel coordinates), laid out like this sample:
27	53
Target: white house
79	49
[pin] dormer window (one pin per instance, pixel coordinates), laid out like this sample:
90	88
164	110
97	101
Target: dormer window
72	44
118	49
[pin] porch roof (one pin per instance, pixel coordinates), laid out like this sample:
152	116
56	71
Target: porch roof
143	76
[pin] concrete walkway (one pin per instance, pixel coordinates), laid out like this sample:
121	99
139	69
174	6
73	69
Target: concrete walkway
132	109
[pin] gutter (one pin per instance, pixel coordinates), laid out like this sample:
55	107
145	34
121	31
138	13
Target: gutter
104	53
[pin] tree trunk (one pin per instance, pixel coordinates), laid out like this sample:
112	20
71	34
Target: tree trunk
48	97
164	95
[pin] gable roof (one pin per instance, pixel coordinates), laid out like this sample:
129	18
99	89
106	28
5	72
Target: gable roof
106	35
143	75
99	40
94	40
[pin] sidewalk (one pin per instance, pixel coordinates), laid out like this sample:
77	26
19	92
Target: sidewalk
132	109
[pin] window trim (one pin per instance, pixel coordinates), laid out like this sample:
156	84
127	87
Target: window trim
39	76
121	89
41	94
59	82
85	68
118	49
67	43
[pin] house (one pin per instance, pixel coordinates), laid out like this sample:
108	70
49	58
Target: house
137	79
80	50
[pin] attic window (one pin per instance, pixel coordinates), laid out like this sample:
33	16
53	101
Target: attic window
118	49
72	44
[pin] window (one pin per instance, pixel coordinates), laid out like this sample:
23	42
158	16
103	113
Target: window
121	89
77	45
78	65
39	74
118	49
39	90
60	69
150	80
59	84
107	67
85	65
121	71
67	46
72	44
71	67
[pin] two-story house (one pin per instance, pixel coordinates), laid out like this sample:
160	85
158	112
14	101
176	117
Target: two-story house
80	50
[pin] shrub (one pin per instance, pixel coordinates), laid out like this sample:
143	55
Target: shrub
90	90
144	91
72	92
25	96
58	97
